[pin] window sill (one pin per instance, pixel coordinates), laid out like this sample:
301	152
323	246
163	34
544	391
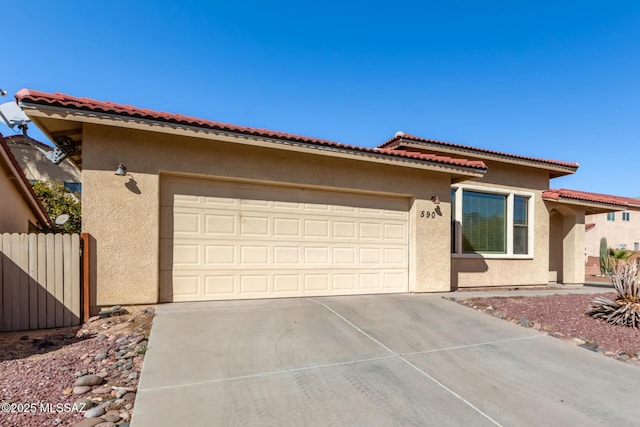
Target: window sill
492	256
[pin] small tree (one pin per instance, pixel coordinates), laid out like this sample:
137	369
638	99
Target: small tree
57	200
617	255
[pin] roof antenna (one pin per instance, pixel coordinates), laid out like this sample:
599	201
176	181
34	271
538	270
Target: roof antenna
14	117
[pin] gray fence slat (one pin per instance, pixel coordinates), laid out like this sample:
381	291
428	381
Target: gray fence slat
66	279
23	280
32	250
51	288
6	282
16	315
42	281
59	278
39	281
75	279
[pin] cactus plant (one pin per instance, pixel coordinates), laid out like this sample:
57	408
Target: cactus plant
606	264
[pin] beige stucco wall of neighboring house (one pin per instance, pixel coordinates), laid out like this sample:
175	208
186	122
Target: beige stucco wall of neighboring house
122	213
37	167
470	270
15	213
619	234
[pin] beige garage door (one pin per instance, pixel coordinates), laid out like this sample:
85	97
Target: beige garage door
223	240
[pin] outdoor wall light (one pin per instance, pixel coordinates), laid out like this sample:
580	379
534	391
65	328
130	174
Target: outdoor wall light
121	170
435	199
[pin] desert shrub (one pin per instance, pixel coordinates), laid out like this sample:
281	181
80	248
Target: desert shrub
57	200
625	309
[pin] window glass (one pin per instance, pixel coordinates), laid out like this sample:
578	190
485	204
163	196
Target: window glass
74	187
483	222
520	225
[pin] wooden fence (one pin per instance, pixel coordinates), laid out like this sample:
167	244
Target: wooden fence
40	281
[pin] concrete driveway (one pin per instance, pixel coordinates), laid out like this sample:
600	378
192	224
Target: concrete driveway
370	360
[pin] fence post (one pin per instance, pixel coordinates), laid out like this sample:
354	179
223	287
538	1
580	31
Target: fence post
86	264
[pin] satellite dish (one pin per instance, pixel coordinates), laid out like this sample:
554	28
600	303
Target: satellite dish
62	219
13	115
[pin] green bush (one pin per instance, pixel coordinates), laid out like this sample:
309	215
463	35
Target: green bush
57	200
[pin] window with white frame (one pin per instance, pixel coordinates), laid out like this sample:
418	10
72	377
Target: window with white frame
611	216
491	222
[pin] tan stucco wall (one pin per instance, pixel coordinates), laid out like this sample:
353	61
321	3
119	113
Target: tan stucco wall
468	272
15	213
36	165
122	213
617	232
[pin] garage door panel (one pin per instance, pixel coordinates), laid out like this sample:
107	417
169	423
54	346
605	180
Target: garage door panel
233	241
254	226
186	288
187	255
286	227
217	255
254	255
219	225
286	256
219	285
287	283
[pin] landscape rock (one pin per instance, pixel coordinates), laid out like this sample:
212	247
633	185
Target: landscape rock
112	418
88	380
84	404
81	389
95	412
89	422
102	390
116	310
129	397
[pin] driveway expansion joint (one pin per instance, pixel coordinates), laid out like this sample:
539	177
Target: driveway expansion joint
416	368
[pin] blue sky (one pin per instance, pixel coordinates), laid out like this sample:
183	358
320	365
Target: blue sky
558	80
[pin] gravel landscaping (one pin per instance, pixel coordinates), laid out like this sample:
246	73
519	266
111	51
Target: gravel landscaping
564	317
81	376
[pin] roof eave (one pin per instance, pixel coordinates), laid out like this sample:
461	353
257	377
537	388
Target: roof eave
556	170
590	207
89	116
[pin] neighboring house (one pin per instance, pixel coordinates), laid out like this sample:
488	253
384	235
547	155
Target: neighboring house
211	211
20	209
621	229
37	167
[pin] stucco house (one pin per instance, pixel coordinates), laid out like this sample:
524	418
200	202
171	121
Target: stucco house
621	229
209	211
37	167
20	209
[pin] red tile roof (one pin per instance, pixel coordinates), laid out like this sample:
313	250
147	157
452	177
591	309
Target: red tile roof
25	187
90	105
407	137
556	194
589	226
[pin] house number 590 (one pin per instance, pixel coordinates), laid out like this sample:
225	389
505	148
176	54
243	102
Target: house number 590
428	214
